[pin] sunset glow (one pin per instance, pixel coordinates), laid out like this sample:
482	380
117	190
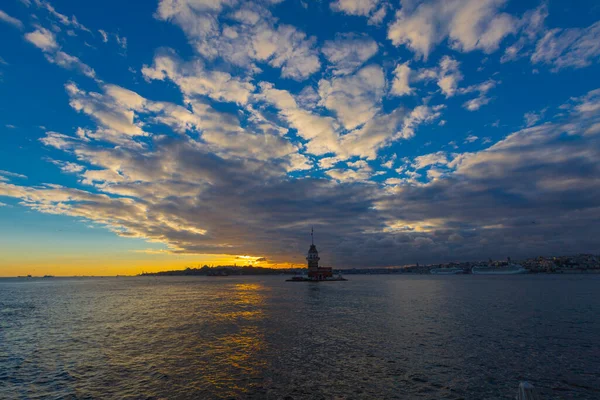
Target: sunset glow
169	134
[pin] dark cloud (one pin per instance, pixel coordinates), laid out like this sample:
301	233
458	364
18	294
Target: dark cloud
535	192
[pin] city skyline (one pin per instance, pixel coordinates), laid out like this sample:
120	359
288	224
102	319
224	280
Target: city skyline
154	136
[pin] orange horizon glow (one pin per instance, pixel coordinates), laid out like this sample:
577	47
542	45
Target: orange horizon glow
130	265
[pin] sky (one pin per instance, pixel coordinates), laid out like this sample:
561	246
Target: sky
151	135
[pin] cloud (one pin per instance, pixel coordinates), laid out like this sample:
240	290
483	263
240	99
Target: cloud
119	113
43	39
356	98
10	20
520	194
532	118
385	129
324	135
257	37
181	193
568	48
114	110
471	139
532	189
232	163
61	18
482	99
355	7
348	52
447	75
67	166
438	158
401	82
121	41
194	79
67	61
320	132
532	27
467	24
104	35
8	174
349	175
328	162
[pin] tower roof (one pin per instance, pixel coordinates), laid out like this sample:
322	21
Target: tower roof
313	249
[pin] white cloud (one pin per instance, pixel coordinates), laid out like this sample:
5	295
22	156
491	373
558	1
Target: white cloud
349	52
401	82
439	158
569	48
121	41
323	133
355	7
10	20
114	111
447	75
11	174
384	129
532	26
532	118
194	79
476	103
67	61
328	162
63	19
467	24
471	138
378	16
43	39
349	175
482	99
355	98
104	35
256	38
68	166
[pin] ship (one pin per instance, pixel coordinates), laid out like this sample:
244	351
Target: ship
446	271
316	273
511	269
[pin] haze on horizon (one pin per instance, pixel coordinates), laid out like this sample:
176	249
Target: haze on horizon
161	134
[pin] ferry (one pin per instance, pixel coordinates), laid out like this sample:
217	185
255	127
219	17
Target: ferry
511	269
446	271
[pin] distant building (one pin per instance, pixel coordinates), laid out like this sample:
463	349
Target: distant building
314	271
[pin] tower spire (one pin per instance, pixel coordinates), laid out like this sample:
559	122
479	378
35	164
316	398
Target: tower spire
312	236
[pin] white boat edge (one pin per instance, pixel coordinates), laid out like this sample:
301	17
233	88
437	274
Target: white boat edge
446	271
513	269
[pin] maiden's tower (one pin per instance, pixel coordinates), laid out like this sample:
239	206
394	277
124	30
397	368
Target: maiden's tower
315	272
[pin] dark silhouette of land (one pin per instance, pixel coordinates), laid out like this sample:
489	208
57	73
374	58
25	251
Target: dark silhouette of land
579	263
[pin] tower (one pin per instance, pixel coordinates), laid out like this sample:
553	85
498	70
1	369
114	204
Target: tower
315	272
313	255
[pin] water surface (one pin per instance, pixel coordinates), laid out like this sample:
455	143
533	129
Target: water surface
421	337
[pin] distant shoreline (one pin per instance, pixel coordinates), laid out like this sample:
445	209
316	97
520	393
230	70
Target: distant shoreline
571	265
586	272
343	272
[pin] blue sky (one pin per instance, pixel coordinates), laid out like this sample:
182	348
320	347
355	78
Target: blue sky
403	131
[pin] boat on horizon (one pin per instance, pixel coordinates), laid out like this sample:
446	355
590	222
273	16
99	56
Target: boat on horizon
446	271
511	269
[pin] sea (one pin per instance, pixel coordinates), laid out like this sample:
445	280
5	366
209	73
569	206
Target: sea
248	337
